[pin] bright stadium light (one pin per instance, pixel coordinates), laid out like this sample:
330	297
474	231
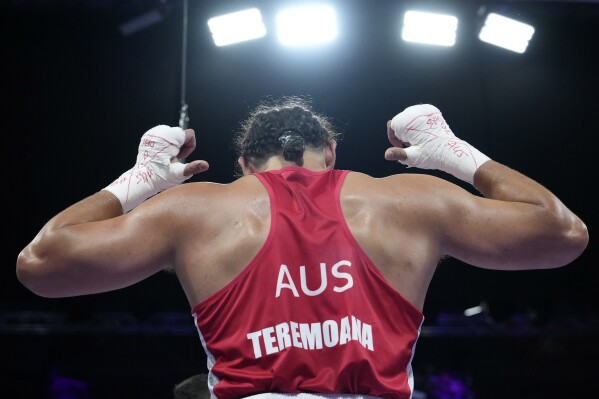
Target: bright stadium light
428	28
306	25
237	27
507	33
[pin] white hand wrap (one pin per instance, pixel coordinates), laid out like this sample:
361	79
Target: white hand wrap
433	145
153	171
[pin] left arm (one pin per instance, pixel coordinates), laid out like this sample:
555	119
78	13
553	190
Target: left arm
92	247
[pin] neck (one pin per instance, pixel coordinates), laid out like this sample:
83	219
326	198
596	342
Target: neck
312	161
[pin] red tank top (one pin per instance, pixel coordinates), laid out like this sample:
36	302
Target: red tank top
310	313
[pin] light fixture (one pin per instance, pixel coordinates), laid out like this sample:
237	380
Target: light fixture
480	308
306	25
429	28
237	27
506	33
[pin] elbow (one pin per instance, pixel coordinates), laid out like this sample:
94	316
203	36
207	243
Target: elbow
26	270
578	237
30	276
571	241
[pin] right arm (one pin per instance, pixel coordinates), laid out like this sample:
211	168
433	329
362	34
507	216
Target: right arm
518	225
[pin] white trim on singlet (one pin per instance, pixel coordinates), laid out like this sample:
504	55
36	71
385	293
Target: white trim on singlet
210	360
409	368
305	395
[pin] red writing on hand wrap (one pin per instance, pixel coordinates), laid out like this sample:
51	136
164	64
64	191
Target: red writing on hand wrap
144	176
147	143
154	170
438	120
456	148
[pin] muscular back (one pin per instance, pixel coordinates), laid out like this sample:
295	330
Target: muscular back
228	224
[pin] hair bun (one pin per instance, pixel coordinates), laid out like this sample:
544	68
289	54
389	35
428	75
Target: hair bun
292	145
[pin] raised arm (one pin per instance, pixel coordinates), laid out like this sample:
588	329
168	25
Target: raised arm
91	246
518	225
534	228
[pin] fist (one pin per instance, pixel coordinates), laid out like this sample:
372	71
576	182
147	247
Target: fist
161	144
423	139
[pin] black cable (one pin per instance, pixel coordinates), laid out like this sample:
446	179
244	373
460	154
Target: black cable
184	115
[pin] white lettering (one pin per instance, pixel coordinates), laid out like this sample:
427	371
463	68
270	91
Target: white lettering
345	333
284	279
311	335
323	280
330	333
355	329
338	274
284	272
367	341
269	339
283	338
295	335
256	343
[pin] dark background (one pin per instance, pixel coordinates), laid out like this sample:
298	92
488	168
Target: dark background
77	95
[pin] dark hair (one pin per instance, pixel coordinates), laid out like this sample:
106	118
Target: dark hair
194	387
283	127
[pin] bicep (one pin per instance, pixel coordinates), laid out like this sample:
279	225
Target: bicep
110	254
495	234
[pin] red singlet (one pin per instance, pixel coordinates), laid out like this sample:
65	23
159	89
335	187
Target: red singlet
311	312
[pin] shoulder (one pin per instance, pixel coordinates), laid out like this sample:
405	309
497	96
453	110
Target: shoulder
242	186
408	195
205	198
399	184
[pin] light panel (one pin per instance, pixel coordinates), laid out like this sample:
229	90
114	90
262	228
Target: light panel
429	28
237	27
506	33
306	25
